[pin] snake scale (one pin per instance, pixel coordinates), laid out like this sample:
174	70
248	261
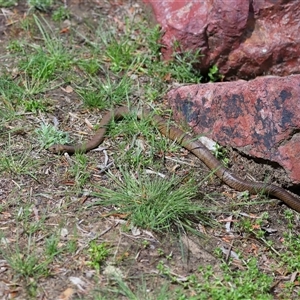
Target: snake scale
188	142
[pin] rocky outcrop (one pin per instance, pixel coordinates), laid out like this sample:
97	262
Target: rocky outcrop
259	117
244	40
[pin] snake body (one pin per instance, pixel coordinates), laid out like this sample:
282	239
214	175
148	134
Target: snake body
188	142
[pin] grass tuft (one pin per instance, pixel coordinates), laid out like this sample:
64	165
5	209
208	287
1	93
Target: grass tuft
153	202
42	5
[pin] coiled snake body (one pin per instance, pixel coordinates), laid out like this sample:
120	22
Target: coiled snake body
188	142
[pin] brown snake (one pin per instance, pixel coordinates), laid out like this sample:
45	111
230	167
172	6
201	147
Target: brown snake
188	142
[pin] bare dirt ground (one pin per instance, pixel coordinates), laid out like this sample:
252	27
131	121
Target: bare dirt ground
52	198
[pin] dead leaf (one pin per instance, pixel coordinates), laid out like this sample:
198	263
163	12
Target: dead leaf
65	30
67	294
167	77
255	226
68	89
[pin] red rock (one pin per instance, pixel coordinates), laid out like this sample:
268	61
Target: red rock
259	117
244	40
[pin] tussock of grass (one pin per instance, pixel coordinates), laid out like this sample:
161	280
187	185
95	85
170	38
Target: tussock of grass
153	202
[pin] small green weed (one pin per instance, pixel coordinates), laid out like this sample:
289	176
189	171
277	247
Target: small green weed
291	255
250	283
48	135
289	215
254	226
60	14
221	154
98	253
245	195
165	271
213	74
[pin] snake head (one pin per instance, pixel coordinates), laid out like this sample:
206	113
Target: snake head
57	149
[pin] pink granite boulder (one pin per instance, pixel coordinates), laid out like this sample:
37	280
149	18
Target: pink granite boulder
243	38
259	117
